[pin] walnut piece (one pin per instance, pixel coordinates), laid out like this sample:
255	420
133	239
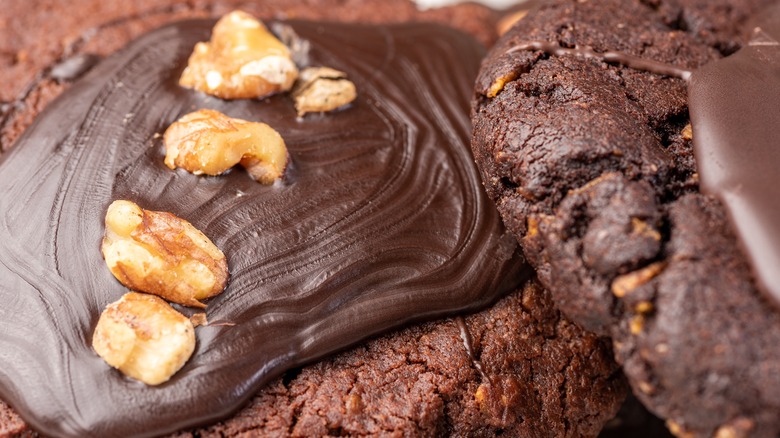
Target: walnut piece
199	319
144	337
162	254
626	283
687	132
498	84
209	142
509	20
322	89
243	60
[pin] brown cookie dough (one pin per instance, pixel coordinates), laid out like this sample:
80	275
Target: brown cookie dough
591	166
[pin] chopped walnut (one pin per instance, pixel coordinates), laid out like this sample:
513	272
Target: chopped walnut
322	89
209	142
162	254
687	132
144	337
498	84
509	20
199	319
243	60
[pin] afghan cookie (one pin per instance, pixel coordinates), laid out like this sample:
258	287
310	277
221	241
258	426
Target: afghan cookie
592	167
100	137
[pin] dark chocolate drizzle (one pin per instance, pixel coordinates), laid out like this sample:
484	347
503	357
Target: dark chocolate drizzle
609	57
735	112
468	344
734	104
379	221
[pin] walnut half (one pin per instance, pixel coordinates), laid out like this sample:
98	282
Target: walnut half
322	89
162	254
243	60
144	337
207	141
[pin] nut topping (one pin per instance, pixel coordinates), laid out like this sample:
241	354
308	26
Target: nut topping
209	142
509	20
243	60
321	89
498	84
162	254
144	337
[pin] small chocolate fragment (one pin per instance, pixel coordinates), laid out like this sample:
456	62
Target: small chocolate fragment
73	67
611	57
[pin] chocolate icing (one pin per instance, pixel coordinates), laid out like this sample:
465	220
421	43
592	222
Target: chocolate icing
735	112
380	220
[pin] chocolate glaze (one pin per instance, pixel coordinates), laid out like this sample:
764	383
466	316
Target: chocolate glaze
735	112
380	220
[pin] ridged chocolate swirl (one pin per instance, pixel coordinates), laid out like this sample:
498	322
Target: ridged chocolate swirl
380	220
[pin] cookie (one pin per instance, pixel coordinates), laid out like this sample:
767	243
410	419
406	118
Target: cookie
311	273
592	167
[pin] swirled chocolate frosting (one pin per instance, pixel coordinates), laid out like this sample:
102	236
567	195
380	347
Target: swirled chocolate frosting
735	115
380	220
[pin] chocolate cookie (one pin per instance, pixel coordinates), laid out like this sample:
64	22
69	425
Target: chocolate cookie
349	244
592	167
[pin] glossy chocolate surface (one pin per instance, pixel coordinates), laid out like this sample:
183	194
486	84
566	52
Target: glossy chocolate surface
380	220
735	113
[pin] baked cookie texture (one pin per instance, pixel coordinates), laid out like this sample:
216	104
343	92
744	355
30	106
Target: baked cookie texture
544	376
591	166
